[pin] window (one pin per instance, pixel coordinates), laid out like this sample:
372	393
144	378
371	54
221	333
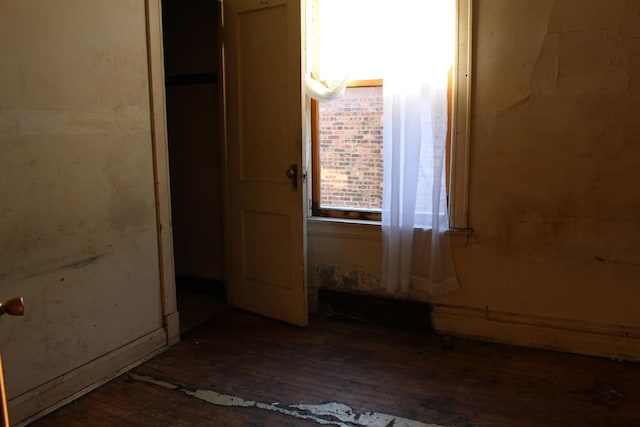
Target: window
347	133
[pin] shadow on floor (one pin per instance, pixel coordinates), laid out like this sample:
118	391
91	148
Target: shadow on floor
198	301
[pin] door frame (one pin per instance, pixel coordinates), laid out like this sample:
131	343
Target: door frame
160	147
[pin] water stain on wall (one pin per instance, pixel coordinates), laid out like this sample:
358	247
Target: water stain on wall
335	277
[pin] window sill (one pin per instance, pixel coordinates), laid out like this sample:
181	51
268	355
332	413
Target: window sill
367	230
460	237
344	228
322	219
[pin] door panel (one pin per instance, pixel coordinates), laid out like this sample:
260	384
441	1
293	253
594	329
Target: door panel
262	53
263	80
266	263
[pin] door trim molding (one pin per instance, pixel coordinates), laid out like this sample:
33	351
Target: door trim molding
161	169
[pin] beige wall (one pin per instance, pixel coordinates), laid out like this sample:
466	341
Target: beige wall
554	259
78	235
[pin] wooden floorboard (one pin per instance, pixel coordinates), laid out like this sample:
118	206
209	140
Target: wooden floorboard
416	376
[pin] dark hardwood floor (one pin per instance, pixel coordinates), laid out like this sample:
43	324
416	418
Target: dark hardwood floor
239	369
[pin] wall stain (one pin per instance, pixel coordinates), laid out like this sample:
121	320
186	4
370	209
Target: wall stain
614	261
83	262
73	265
330	276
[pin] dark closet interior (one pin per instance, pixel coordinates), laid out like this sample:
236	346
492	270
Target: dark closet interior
191	36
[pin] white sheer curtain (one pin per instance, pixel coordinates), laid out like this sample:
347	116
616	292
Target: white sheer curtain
418	54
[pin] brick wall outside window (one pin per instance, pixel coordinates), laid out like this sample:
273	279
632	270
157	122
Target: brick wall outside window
351	150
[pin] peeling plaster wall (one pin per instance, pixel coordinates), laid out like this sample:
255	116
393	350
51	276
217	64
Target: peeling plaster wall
554	169
78	233
555	161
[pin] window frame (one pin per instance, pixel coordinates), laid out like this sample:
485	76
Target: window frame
458	135
461	83
316	209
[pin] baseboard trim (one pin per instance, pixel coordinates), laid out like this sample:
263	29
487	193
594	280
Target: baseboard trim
172	325
40	401
572	336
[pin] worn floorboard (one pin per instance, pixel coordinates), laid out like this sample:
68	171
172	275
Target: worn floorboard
270	367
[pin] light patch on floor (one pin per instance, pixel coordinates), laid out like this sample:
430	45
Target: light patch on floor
332	413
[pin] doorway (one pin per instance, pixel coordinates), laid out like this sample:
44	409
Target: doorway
191	39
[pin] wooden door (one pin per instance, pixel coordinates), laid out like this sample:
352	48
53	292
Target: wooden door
263	120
